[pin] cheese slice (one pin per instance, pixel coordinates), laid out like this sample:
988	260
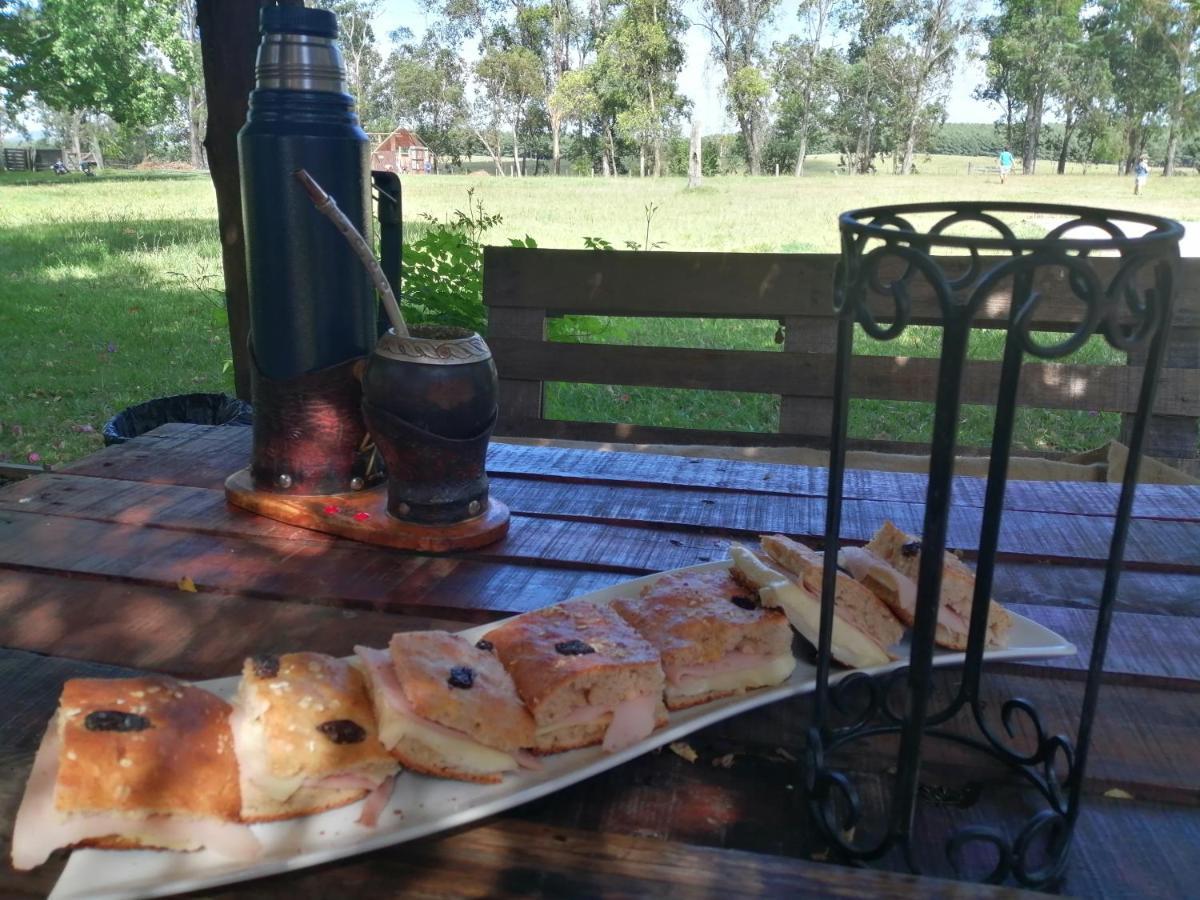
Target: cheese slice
803	610
457	752
398	720
770	671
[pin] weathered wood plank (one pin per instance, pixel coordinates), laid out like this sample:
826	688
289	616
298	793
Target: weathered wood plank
741	285
1153	501
903	378
519	398
342	575
1152	544
538	543
189	635
625	433
209	454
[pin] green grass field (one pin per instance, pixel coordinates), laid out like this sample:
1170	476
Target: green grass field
110	288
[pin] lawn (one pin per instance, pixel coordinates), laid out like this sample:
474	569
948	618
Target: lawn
111	287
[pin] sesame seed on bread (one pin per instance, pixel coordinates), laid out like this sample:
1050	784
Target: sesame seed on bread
304	716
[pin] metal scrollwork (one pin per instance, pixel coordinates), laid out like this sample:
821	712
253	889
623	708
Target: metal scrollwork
1117	269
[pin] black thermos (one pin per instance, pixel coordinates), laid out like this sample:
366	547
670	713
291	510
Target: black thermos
312	304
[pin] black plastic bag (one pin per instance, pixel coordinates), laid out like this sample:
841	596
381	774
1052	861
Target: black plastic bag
194	409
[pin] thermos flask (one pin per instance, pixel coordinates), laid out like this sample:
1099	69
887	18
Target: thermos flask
312	305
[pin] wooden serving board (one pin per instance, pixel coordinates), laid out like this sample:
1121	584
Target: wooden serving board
363	516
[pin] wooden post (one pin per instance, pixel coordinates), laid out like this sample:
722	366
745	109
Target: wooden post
695	169
228	45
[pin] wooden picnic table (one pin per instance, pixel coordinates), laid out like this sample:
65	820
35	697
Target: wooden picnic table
131	560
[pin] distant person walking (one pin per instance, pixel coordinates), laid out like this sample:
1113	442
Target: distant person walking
1006	164
1141	171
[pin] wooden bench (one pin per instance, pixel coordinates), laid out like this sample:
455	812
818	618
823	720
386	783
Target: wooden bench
523	288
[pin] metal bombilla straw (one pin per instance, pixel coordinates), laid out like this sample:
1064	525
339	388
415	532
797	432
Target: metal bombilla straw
326	205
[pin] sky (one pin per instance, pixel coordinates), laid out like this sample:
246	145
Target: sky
701	78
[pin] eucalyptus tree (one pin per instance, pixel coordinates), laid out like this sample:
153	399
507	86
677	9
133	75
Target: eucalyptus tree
937	28
1030	41
1084	97
803	70
737	30
1139	63
1178	23
642	55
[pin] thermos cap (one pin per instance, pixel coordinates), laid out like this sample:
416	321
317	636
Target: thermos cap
298	51
298	20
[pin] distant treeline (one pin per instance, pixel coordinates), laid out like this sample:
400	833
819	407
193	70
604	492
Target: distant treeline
593	86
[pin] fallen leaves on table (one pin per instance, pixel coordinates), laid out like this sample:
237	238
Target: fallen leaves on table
1118	794
684	750
724	762
186	584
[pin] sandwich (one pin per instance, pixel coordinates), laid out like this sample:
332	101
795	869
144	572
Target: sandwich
585	675
447	708
888	565
790	579
715	640
132	763
306	739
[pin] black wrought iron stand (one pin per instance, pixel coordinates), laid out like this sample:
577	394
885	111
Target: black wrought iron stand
889	273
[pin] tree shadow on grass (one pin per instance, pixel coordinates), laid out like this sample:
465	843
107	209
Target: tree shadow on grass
98	316
45	178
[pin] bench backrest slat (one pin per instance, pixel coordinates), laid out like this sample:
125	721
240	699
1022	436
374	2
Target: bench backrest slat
524	287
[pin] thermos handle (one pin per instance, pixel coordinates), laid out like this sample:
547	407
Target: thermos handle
391	235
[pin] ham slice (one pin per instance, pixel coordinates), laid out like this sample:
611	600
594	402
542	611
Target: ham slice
40	828
632	720
375	802
527	760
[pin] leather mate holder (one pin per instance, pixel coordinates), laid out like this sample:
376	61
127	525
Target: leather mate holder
432	479
309	434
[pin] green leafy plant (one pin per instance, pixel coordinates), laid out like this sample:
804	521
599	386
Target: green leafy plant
443	268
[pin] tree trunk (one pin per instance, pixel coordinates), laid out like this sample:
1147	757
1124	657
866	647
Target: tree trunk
195	146
94	143
555	129
516	155
642	161
909	146
1068	127
228	44
802	150
76	142
1033	126
695	157
1172	147
612	148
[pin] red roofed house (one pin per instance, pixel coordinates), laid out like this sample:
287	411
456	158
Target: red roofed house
402	152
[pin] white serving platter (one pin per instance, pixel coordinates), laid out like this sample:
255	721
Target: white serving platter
421	805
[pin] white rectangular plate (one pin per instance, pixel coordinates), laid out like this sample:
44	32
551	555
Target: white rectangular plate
422	806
